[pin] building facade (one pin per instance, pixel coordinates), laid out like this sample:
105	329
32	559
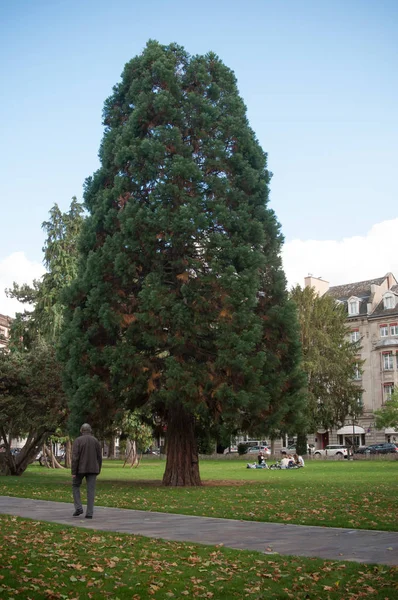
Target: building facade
5	324
372	319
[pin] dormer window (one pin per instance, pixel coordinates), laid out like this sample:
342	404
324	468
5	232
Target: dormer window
353	306
389	301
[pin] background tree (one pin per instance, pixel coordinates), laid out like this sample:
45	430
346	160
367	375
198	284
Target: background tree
60	250
32	403
330	362
180	304
138	435
387	415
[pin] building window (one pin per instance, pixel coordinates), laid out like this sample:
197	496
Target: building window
388	391
389	301
353	307
383	330
357	372
394	329
354	336
388	361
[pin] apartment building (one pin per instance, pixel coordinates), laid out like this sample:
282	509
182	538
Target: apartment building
372	319
5	324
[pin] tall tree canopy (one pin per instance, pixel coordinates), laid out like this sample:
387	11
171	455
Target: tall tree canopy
330	359
180	302
60	250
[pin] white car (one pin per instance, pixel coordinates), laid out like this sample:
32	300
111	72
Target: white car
335	450
257	449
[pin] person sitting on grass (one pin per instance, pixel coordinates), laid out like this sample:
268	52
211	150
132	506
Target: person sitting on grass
299	460
284	461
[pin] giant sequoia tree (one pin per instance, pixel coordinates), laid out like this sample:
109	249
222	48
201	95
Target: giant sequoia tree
180	302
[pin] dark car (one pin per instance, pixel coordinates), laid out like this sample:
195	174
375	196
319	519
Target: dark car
361	450
384	448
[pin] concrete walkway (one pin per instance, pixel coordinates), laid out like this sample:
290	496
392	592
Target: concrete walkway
322	542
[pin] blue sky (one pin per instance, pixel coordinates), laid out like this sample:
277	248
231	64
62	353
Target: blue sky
319	79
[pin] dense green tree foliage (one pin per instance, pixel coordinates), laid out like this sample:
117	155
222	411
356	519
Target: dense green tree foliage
180	304
330	360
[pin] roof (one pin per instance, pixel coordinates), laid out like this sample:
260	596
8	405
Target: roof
361	289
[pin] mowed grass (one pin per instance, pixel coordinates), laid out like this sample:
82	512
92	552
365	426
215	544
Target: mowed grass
45	561
353	494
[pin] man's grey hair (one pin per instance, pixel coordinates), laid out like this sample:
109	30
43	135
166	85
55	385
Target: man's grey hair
85	428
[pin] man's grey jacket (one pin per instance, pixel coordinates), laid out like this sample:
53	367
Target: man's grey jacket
86	455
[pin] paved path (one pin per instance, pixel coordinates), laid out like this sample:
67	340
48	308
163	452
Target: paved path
323	542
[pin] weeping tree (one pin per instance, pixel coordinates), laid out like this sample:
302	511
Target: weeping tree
32	403
180	303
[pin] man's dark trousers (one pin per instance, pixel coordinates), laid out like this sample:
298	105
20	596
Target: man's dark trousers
91	479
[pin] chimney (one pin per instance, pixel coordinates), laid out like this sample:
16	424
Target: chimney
319	285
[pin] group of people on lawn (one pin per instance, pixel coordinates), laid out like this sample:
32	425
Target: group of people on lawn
289	461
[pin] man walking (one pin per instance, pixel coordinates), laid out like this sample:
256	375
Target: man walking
86	462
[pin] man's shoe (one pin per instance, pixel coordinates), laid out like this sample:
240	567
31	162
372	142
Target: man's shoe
78	512
89	517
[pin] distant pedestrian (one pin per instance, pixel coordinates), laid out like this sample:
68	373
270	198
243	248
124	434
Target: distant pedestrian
86	462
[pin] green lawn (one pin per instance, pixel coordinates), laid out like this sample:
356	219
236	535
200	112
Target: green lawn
45	561
354	494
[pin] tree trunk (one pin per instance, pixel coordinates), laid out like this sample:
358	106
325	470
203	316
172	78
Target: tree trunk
68	454
182	466
51	458
301	444
132	456
16	464
112	447
272	446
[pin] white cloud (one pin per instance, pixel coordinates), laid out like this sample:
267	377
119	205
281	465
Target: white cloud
346	261
20	269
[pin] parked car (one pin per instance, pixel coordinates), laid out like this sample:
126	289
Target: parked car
384	448
231	450
258	449
335	450
292	449
154	451
361	450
